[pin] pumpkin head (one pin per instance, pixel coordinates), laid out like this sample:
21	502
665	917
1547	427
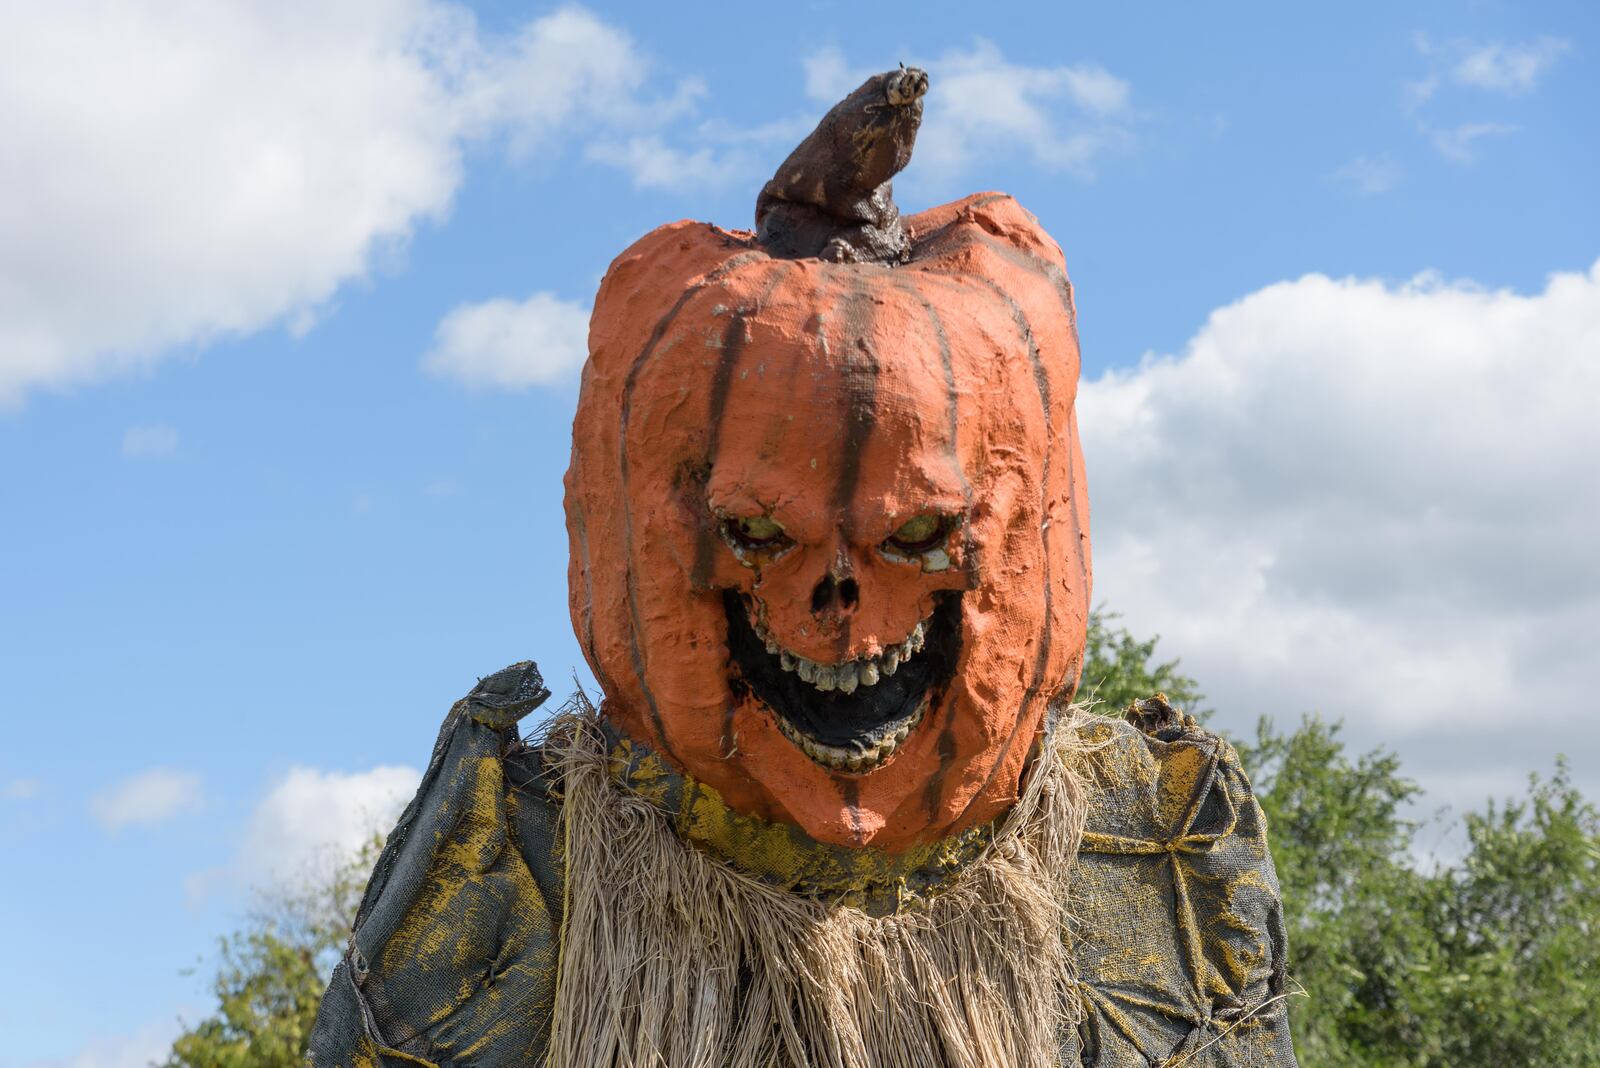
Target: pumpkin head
829	531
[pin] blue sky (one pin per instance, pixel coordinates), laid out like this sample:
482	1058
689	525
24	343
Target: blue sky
291	307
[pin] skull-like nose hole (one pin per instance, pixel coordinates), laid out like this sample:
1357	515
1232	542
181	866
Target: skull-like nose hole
840	596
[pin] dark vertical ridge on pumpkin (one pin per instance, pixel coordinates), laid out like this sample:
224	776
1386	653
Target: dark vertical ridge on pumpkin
947	367
1041	380
859	364
1016	257
1026	260
860	394
636	655
733	342
946	743
733	339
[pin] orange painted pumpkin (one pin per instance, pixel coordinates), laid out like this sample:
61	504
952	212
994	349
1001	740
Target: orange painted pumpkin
829	529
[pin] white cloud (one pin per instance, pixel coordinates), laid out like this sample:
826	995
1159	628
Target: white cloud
1368	176
511	344
1511	68
1495	66
150	798
1458	144
982	105
567	67
829	77
1417	93
310	822
1374	501
654	164
21	790
150	441
1061	118
180	173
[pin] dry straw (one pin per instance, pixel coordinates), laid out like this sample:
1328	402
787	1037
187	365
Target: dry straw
672	959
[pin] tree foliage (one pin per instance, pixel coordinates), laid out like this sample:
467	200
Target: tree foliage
1117	670
270	976
1492	959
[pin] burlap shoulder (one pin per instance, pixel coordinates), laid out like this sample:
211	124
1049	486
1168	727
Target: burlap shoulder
1179	934
453	957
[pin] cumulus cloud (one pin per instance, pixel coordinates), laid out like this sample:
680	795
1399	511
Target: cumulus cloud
1062	118
150	441
311	820
510	344
1374	501
179	173
146	800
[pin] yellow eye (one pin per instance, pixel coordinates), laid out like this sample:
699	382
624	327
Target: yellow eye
919	533
755	532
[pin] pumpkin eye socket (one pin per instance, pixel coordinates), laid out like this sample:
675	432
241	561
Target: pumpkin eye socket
755	532
919	534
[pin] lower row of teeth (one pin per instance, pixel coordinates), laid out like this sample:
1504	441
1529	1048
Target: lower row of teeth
847	676
841	758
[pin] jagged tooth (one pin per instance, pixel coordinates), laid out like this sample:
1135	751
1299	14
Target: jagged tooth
891	661
918	637
806	669
869	674
827	677
786	659
847	677
856	762
772	646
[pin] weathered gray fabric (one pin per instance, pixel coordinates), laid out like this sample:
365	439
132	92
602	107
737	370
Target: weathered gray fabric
452	961
1179	936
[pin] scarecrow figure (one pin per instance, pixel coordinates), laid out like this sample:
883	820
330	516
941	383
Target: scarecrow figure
830	565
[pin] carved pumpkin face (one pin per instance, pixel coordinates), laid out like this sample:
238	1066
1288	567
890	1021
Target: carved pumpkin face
829	531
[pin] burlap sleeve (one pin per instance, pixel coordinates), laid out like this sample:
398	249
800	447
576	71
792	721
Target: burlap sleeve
453	957
1179	933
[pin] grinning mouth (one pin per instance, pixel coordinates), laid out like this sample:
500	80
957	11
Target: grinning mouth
849	716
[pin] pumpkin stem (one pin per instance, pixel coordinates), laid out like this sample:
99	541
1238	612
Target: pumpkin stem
833	198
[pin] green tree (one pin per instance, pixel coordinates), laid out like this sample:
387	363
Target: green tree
1518	929
271	975
1358	945
1491	960
1118	669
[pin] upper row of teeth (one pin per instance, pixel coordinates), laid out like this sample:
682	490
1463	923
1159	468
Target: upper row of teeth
864	671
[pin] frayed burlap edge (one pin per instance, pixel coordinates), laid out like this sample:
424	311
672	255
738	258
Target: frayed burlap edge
670	958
